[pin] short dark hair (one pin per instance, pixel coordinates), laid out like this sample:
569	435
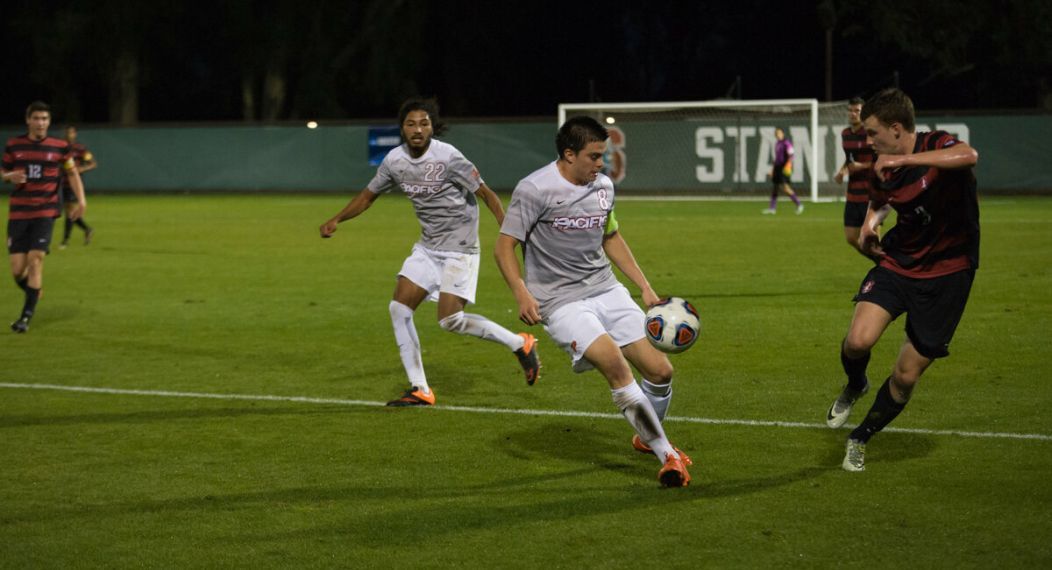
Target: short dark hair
36	106
856	101
891	106
426	104
578	132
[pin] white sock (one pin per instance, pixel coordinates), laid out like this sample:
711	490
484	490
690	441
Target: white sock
660	395
640	414
408	345
477	325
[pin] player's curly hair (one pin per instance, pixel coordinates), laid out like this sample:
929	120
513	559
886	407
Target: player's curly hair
577	132
428	105
891	106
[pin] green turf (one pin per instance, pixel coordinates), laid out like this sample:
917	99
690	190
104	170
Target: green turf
238	295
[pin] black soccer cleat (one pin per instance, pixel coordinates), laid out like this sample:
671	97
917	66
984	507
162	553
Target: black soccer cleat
21	325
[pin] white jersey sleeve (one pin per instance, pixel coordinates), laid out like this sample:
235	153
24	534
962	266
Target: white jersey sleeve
463	173
384	181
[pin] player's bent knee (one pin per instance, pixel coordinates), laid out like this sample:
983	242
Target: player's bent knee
399	311
857	345
454	323
905	377
661	374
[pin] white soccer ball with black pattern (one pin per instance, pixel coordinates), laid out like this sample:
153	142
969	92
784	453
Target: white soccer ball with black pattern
672	325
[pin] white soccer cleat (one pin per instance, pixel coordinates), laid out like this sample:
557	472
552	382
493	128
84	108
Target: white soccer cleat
854	456
841	408
769	211
799	209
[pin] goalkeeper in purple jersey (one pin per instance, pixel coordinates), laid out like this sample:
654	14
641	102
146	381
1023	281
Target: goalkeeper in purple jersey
781	171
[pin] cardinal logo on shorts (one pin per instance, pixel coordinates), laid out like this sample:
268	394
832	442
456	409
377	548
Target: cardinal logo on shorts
867	287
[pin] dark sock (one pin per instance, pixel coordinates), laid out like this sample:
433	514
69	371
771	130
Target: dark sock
884	409
32	296
83	225
794	199
22	283
855	369
68	230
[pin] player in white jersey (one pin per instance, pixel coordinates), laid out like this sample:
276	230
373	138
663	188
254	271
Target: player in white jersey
563	217
444	263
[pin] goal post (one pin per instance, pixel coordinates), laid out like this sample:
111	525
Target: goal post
718	148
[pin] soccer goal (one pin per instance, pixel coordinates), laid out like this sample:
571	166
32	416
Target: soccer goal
718	148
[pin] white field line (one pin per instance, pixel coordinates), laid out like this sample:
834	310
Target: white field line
521	412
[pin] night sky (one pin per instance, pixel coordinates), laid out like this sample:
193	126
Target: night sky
356	60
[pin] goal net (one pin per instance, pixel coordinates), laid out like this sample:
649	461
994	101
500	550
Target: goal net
718	148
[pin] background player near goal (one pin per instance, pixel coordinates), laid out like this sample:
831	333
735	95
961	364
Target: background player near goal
858	169
84	161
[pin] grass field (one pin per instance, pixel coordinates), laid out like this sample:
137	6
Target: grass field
229	366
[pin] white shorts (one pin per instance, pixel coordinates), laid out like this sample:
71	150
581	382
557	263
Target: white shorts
442	271
575	326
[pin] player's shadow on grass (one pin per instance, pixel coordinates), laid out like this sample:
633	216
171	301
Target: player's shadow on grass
570	442
885	447
601	452
57	313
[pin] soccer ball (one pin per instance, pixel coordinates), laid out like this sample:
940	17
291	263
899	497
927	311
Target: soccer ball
672	325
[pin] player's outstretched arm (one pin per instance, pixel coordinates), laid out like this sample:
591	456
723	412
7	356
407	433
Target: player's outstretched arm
356	206
620	254
508	263
955	157
492	201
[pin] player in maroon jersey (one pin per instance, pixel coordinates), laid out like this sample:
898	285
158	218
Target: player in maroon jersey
858	169
34	163
927	261
85	162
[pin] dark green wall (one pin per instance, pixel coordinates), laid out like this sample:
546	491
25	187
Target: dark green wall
1015	155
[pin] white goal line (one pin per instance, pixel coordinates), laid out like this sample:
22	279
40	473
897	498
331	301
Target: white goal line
510	411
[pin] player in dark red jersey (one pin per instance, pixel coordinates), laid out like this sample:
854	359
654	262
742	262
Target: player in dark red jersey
85	161
34	163
858	169
927	261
